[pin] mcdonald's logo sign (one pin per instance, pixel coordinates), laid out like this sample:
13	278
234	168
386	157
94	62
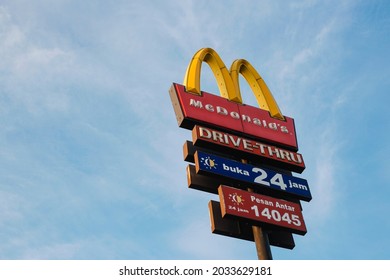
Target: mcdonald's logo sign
227	112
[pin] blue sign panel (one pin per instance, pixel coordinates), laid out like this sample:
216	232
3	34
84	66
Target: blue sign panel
254	175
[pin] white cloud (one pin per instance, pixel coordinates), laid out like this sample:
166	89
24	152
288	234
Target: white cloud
326	189
195	241
32	75
9	207
55	252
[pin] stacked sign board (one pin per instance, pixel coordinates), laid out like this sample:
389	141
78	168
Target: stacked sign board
244	155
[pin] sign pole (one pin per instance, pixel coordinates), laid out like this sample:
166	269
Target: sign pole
263	248
262	243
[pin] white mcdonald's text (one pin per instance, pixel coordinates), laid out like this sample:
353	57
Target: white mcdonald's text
237	116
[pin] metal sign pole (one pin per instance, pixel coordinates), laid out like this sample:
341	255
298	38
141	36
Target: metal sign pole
262	243
263	248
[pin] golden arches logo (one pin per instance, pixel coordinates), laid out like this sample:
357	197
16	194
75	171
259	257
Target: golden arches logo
228	80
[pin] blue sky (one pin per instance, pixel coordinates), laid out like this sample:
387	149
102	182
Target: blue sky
91	155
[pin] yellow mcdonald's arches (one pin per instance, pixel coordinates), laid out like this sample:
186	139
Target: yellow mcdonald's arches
263	95
228	81
222	75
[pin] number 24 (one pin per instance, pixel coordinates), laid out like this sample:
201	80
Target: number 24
277	179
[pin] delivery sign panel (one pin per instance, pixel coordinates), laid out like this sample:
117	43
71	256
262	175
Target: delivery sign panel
261	209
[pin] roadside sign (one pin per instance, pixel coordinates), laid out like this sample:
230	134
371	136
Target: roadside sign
252	150
261	209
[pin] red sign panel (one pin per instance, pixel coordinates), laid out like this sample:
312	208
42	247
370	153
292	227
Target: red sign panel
247	148
243	230
262	209
217	111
